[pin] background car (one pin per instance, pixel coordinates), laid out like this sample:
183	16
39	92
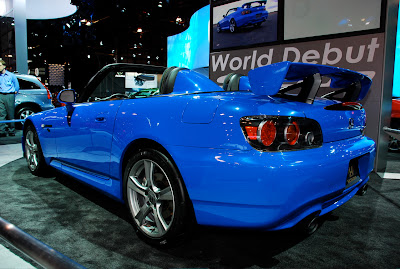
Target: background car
249	155
249	14
394	144
33	97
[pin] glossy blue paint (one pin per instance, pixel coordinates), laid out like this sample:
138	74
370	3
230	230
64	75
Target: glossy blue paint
188	81
228	181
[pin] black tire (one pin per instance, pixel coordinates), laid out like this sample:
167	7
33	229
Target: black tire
394	144
232	26
160	208
23	113
258	24
33	153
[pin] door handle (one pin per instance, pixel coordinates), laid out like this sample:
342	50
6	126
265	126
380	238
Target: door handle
100	119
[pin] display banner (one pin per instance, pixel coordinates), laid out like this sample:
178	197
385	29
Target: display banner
362	53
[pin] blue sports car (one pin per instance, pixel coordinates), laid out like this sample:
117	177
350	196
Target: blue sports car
251	13
260	152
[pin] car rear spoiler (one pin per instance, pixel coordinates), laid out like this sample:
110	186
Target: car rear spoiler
268	80
248	5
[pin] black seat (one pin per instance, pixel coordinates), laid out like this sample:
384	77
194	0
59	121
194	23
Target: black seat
231	82
168	79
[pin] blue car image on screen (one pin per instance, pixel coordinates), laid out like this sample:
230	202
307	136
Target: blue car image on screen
249	14
262	152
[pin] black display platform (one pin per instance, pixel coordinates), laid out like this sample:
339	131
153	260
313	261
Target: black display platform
96	232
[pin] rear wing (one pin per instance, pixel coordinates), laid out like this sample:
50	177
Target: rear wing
248	5
268	80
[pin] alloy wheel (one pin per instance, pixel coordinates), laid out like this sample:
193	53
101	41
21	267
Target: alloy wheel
150	198
232	26
31	151
25	114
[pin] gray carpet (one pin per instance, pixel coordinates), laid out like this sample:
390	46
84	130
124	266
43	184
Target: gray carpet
96	232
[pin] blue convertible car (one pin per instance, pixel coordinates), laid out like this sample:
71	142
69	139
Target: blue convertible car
262	152
251	13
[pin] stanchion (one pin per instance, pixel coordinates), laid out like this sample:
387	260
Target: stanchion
35	249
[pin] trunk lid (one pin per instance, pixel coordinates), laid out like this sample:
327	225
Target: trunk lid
337	124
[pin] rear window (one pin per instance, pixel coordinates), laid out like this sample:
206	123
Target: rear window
27	85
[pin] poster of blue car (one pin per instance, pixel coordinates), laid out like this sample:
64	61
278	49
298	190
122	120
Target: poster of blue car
244	23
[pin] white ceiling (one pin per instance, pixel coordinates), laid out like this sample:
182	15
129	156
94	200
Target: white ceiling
41	9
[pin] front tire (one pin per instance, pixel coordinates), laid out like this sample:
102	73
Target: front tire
232	26
33	153
157	199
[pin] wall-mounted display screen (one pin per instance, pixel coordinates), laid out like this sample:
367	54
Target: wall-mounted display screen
310	18
243	23
191	48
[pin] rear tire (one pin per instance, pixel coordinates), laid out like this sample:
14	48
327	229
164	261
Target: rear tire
23	113
157	199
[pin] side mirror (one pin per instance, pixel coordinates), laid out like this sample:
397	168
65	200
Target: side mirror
66	97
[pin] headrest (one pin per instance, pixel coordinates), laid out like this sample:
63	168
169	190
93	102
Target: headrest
168	79
231	82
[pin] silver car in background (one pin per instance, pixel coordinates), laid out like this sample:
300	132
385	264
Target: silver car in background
33	97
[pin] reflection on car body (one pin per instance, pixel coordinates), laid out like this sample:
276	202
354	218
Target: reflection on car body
249	14
251	154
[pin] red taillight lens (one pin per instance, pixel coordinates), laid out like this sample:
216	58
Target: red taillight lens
246	12
281	133
267	133
47	89
292	132
251	132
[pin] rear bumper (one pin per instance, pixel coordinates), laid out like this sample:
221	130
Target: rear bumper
252	189
246	21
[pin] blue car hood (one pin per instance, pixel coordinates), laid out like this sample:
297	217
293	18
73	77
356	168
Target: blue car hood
268	80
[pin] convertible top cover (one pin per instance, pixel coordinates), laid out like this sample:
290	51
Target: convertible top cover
268	80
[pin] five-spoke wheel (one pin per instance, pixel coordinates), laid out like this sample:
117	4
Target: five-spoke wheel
232	26
156	198
33	152
151	198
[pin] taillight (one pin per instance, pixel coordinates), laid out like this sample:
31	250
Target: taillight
48	92
292	132
246	12
280	133
267	133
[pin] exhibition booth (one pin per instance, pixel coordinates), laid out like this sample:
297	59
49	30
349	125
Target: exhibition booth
241	134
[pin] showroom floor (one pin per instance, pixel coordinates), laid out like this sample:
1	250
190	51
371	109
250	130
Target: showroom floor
96	232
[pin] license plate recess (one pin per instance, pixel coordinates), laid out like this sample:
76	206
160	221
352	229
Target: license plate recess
353	174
